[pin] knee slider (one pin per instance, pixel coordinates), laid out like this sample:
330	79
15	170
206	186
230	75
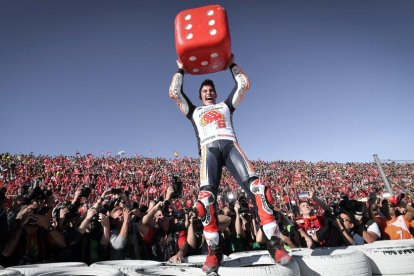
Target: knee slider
262	195
258	188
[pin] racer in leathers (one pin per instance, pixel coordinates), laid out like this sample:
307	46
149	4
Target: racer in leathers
218	147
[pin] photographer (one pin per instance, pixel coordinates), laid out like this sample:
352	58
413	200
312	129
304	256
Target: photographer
120	197
95	230
305	240
135	245
337	226
66	219
32	236
196	241
341	227
344	231
195	238
120	216
241	234
290	233
168	241
125	239
367	228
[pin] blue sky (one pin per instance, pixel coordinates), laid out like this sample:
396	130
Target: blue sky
330	80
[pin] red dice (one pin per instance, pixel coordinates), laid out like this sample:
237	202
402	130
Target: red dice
202	39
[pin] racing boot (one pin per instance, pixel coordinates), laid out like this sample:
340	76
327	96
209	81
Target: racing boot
270	228
277	251
275	245
213	260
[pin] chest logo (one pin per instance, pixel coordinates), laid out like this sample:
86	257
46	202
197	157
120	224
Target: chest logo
213	116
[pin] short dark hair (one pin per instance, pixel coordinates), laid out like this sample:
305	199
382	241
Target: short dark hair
351	217
205	83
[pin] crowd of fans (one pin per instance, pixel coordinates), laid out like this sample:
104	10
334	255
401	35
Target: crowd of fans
90	209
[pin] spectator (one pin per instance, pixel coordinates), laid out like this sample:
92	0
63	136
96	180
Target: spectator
239	235
346	223
401	226
95	241
55	185
166	238
119	218
309	222
379	218
366	226
195	240
31	237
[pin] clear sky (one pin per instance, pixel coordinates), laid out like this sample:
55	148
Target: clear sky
330	80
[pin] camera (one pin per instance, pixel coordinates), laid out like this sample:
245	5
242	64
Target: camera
197	225
158	199
41	210
244	205
73	212
95	223
177	186
116	191
37	194
95	219
331	216
180	214
85	191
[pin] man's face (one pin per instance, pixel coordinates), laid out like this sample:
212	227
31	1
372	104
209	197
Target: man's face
160	219
118	215
208	95
291	216
345	219
304	208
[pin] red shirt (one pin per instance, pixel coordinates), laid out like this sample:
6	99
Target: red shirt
311	225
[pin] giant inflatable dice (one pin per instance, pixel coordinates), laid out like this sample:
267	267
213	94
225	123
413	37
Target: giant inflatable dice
202	39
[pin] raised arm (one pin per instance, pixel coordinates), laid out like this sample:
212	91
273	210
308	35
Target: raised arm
241	86
176	92
322	203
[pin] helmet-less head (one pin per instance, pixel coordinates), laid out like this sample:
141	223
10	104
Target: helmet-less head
207	92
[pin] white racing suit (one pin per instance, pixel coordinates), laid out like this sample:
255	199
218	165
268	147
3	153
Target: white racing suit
218	147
